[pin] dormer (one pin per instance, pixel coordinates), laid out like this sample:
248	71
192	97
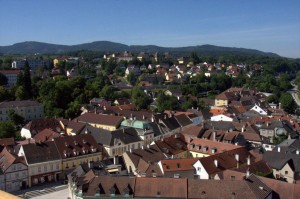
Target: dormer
191	146
213	150
93	149
205	148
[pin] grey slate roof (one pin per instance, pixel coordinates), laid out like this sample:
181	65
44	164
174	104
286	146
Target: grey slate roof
277	159
183	120
109	138
219	125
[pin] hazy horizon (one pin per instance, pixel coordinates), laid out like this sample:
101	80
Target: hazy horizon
268	26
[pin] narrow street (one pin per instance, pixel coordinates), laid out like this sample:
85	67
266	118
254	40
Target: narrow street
294	93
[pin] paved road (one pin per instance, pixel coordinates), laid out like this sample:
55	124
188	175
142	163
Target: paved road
294	93
61	192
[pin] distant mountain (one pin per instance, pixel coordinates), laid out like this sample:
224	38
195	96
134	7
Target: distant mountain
32	47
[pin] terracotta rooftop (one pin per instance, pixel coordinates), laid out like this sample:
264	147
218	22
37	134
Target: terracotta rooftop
210	147
7	142
109	120
151	154
172	145
38	125
226	160
78	145
7	72
171	165
282	189
107	185
46	135
160	187
7	159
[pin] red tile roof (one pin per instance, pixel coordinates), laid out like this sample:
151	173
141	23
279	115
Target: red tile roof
78	145
172	145
160	187
198	145
170	165
109	120
46	135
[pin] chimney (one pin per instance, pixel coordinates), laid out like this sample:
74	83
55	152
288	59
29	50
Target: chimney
116	160
278	149
247	173
237	158
243	129
152	119
86	131
216	162
248	160
143	117
214	136
298	152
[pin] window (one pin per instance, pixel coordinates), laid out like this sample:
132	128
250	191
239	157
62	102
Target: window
39	169
286	172
51	167
57	166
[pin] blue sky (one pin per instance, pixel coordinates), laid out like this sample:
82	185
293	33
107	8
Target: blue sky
267	25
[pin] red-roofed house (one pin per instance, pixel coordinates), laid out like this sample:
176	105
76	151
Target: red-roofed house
108	122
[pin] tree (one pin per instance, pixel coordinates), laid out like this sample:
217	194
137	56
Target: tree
194	58
15	118
131	78
73	110
27	80
7	130
166	102
108	92
272	99
3	80
288	103
140	99
4	94
20	93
